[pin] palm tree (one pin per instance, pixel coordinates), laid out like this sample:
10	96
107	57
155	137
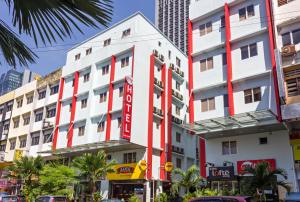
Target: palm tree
27	169
187	180
263	177
47	21
92	167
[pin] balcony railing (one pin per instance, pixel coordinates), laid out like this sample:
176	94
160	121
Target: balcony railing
157	111
158	83
177	70
176	120
290	60
177	95
177	150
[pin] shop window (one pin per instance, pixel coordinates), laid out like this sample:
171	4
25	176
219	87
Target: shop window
129	157
208	104
229	147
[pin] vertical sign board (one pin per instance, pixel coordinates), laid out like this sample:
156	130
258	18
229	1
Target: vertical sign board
127	109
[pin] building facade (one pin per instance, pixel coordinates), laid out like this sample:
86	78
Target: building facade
235	101
287	37
171	17
13	79
128	97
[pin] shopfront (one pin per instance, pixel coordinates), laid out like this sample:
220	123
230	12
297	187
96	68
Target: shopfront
128	179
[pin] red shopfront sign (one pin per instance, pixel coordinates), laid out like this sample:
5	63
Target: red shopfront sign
241	165
127	109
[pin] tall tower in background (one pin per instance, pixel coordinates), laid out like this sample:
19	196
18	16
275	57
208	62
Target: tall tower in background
171	17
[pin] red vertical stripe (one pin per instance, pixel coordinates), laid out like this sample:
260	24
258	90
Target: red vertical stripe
58	111
190	64
150	117
132	66
273	61
202	157
169	108
163	122
229	60
110	97
73	110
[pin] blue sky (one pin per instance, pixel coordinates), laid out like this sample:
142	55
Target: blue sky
50	58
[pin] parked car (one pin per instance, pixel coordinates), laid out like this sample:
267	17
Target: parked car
51	199
222	199
13	198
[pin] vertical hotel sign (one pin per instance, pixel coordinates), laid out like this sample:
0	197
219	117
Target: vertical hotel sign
127	109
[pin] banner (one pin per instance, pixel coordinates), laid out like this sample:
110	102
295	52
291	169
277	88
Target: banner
127	109
221	173
131	171
241	165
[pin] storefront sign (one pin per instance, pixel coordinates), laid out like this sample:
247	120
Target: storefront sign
18	154
169	166
130	171
221	173
241	165
143	165
127	109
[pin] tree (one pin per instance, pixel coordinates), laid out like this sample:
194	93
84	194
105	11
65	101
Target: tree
46	21
57	180
27	170
187	180
93	167
263	177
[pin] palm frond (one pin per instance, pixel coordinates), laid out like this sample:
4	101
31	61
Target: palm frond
44	19
13	49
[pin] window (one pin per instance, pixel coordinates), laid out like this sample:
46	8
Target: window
107	42
9	108
51	112
129	157
121	91
105	70
296	36
38	116
178	137
245	50
22	142
16	122
224	59
88	51
19	103
286	39
81	131
42	94
178	163
47	137
178	62
293	87
169	54
2	147
77	57
247	12
70	107
177	109
86	77
225	100
126	33
83	103
283	2
101	127
73	82
54	90
177	85
124	62
206	64
229	147
208	104
119	122
263	140
26	120
159	44
35	139
103	97
12	144
252	95
222	21
29	99
6	126
205	28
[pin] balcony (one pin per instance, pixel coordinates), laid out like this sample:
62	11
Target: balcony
158	112
158	84
177	72
159	57
176	120
177	95
177	150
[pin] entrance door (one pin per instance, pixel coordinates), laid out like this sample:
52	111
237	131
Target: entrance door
126	190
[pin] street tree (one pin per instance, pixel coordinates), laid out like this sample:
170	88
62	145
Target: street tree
46	22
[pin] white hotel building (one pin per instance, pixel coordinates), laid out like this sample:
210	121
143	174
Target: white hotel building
90	111
235	102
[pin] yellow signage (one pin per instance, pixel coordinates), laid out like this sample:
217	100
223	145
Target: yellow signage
296	149
169	166
131	171
18	154
143	165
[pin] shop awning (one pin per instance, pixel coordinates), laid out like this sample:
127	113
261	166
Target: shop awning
244	123
113	145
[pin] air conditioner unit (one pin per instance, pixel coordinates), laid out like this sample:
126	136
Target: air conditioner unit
161	58
155	52
288	50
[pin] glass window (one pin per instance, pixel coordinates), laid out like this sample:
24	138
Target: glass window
16	122
26	120
126	33
286	39
224	59
121	91
129	157
54	90
105	70
125	62
12	144
35	139
51	112
38	116
248	96
29	99
253	49
101	127
204	105
296	36
202	30
250	11
244	52
229	147
210	63
257	94
77	57
225	100
178	163
211	104
242	14
178	62
178	137
47	137
208	27
22	142
202	65
107	42
119	122
81	130
42	94
222	21
83	103
177	109
88	51
86	77
103	97
177	85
